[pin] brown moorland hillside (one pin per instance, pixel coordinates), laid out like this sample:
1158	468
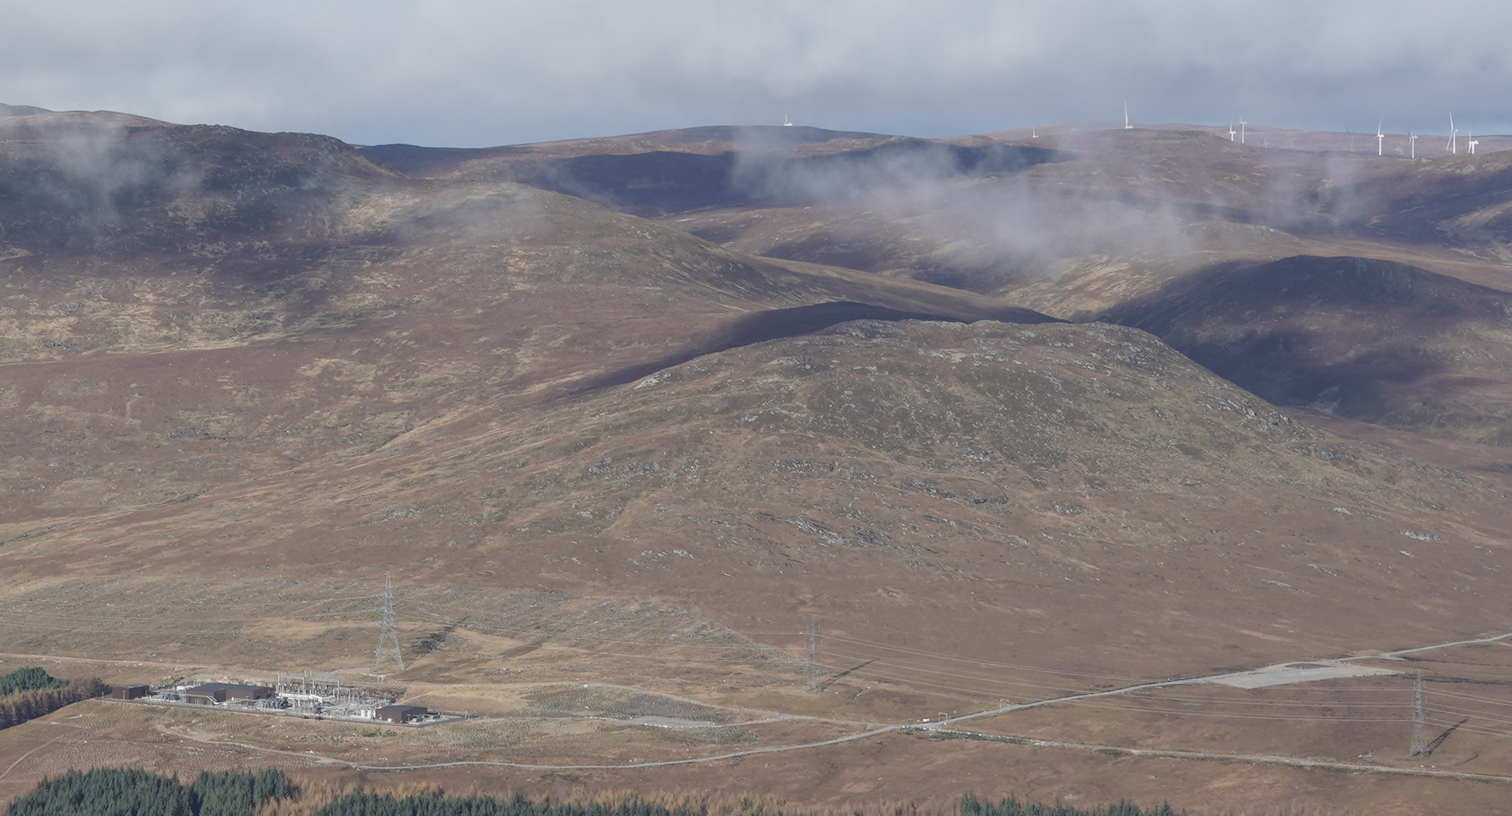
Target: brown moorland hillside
1085	485
265	310
1121	217
245	377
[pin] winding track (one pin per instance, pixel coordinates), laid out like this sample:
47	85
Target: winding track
943	728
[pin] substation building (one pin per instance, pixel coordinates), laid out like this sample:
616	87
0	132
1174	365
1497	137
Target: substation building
213	693
302	695
401	714
132	691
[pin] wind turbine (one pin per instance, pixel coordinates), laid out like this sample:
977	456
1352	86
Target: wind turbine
785	121
1034	131
1380	139
1242	123
1453	132
1231	130
1473	141
1412	140
1127	126
1351	138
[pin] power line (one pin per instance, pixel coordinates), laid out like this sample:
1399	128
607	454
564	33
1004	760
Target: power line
1473	697
175	622
582	625
990	663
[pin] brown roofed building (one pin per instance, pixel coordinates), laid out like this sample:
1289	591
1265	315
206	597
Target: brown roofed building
402	714
130	692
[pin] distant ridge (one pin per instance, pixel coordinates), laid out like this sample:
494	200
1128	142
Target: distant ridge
769	134
414	159
42	116
652	179
1259	136
21	110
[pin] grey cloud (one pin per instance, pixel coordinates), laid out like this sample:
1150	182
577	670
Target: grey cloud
470	72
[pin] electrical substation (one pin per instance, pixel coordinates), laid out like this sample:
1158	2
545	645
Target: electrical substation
308	695
297	695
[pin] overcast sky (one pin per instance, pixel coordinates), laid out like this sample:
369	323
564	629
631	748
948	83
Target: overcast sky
487	72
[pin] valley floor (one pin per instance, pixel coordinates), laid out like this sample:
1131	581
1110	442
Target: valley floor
1327	732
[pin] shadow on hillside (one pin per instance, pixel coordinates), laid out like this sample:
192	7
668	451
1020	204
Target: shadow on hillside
1351	336
758	328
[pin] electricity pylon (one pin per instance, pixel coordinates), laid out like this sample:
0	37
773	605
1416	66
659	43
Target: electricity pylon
813	644
1419	745
388	636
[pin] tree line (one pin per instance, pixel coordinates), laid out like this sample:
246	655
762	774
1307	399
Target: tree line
134	792
41	694
372	803
1011	806
28	678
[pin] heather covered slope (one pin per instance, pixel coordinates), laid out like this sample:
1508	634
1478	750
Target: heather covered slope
284	302
1085	486
1463	201
449	373
95	184
1126	223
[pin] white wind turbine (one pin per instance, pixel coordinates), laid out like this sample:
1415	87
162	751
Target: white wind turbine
1231	130
1380	139
1242	123
1127	126
1473	141
1412	140
785	121
1453	132
1351	138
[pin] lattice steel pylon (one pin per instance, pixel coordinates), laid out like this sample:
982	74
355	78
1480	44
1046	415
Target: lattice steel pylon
388	636
1419	745
813	647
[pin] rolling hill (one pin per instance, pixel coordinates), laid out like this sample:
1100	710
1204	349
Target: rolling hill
635	411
